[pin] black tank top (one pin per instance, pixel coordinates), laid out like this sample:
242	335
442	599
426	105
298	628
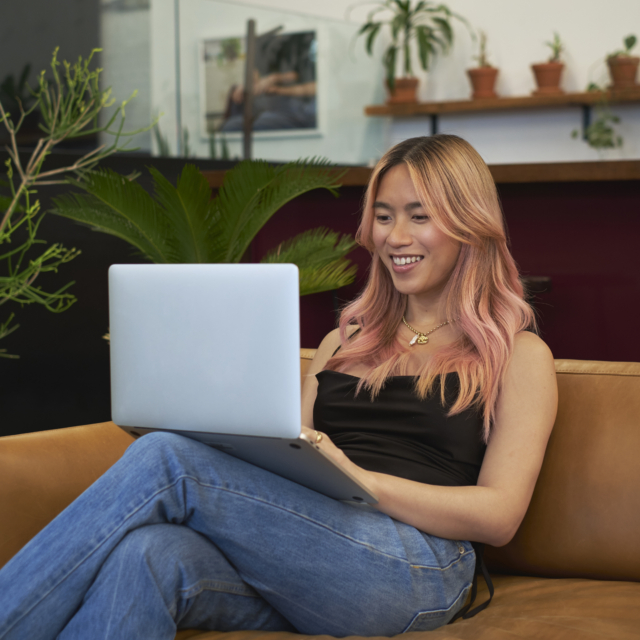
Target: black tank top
399	434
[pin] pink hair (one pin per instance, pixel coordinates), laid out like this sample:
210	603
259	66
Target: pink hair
484	295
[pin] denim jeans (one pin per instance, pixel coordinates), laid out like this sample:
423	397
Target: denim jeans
177	535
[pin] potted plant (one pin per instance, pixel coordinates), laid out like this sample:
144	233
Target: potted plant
184	224
622	66
483	77
548	73
600	134
426	23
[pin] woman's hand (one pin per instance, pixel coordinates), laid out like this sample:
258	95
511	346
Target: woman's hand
323	442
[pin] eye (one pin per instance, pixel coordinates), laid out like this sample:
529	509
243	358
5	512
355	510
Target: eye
420	217
382	217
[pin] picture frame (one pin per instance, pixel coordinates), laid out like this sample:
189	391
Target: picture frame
285	85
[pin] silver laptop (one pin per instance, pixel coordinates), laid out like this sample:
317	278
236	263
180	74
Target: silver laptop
212	352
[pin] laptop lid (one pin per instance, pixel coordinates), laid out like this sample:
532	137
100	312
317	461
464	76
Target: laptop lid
206	347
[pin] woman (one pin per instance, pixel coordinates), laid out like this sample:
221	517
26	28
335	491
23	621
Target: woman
432	393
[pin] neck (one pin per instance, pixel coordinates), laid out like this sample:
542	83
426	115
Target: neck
424	313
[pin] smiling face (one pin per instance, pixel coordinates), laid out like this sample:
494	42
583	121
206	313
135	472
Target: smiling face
418	255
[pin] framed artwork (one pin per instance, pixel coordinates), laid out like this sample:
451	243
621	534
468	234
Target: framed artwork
285	84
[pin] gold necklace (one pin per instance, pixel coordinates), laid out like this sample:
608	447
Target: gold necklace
421	338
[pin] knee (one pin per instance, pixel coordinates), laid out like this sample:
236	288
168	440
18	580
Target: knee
169	554
157	448
147	544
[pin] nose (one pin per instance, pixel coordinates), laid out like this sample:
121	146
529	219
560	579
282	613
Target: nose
399	235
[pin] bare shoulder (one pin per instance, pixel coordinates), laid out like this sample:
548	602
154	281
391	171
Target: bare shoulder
324	352
328	345
327	348
529	384
531	352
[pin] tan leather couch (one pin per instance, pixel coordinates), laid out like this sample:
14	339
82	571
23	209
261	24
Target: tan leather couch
572	571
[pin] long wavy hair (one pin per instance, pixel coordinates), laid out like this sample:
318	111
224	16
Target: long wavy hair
484	296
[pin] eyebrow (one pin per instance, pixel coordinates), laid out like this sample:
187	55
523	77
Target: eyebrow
383	205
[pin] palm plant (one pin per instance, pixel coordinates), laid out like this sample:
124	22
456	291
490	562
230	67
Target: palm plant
428	23
183	224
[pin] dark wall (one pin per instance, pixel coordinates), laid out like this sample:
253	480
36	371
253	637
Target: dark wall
586	237
30	31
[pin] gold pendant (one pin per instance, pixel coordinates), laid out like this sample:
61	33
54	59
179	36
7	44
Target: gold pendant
422	339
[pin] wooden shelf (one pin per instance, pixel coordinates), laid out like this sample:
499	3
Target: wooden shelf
588	99
602	171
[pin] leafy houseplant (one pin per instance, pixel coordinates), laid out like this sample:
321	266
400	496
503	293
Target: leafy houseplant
69	107
600	134
623	67
426	23
548	73
483	77
184	224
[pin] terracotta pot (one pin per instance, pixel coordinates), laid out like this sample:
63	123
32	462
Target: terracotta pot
623	71
483	80
405	90
547	78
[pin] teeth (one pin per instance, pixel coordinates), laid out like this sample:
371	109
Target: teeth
407	260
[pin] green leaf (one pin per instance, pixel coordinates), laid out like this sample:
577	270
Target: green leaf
320	257
403	5
397	25
389	62
422	34
407	60
366	27
445	28
253	191
120	207
372	35
630	42
435	40
188	211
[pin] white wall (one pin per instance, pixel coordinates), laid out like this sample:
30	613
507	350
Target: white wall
347	81
126	59
517	30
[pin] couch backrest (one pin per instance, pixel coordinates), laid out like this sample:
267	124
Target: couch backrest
583	521
584	517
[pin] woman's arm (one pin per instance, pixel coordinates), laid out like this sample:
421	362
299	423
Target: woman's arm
310	387
491	511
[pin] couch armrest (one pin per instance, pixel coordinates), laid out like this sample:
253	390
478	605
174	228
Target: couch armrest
41	473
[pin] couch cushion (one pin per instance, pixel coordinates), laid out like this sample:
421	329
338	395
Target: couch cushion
535	608
42	472
584	517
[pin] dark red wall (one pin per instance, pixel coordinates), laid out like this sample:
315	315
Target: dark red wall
584	236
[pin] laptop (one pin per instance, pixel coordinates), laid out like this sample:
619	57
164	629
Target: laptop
212	352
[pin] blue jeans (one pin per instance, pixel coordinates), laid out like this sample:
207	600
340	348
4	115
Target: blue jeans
177	534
